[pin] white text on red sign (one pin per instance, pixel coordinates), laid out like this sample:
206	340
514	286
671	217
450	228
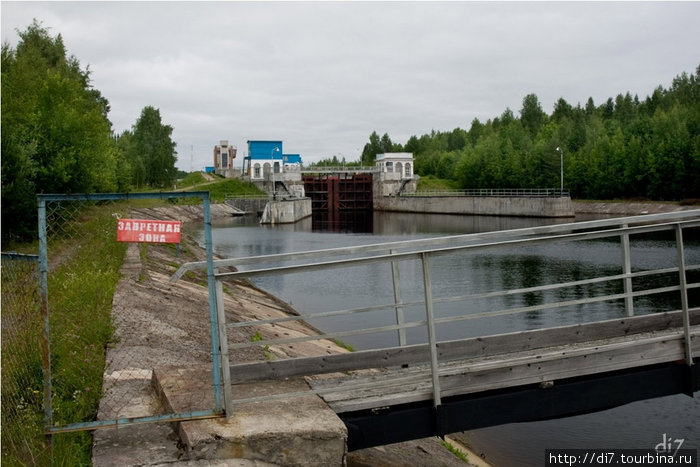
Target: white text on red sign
148	231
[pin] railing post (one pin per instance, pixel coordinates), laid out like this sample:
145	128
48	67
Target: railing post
627	271
427	286
223	345
684	294
396	279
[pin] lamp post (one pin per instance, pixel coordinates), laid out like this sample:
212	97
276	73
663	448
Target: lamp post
561	174
272	171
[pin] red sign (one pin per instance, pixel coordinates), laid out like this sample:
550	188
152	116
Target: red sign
148	231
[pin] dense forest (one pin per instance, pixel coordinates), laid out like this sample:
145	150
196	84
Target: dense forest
57	138
624	148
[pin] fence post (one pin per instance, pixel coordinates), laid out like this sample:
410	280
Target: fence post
396	279
684	294
213	316
428	290
627	271
44	304
223	342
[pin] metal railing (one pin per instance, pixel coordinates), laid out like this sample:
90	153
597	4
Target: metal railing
496	192
426	251
239	196
339	169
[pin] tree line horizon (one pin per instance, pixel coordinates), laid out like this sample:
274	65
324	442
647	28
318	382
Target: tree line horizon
624	148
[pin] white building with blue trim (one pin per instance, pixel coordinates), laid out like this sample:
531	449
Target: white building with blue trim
266	160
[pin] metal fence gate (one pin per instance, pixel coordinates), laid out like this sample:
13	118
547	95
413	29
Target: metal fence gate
96	371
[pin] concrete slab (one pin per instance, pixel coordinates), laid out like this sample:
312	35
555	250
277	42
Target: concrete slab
149	444
297	432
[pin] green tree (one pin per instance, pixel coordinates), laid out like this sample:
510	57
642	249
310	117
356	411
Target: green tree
371	149
376	146
532	115
152	151
55	133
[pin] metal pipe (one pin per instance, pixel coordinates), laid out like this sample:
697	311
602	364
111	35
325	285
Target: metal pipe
396	280
684	294
213	314
449	240
627	271
223	344
432	342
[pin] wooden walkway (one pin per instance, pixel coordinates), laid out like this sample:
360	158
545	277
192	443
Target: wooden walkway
384	378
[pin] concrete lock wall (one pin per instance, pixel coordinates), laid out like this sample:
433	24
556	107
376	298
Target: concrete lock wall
488	206
286	211
247	205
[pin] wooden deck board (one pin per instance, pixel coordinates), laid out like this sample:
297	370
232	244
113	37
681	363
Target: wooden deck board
401	385
378	378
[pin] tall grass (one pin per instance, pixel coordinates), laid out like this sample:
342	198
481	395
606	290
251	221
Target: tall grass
83	274
81	289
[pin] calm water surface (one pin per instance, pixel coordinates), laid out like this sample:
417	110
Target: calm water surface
640	425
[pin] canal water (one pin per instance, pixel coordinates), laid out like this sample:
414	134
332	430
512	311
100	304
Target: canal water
641	425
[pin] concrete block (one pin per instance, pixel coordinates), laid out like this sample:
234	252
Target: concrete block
296	432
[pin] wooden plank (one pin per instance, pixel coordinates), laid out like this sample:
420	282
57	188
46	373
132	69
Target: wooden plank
563	335
529	367
395	356
452	350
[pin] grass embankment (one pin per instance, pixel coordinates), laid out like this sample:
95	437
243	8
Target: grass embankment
218	190
192	179
231	187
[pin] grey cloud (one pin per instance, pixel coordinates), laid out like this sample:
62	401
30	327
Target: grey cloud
323	76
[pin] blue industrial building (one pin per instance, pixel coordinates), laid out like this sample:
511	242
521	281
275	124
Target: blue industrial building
267	157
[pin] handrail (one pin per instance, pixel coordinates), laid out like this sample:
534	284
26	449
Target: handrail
448	250
237	196
338	169
494	192
435	242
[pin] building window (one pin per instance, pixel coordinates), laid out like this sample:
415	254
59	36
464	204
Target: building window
256	171
408	170
389	166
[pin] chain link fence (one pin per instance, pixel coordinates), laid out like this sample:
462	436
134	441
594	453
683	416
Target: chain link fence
123	341
22	403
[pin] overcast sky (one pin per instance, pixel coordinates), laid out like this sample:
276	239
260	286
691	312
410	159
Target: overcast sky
322	76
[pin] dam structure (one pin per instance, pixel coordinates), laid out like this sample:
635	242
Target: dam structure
391	185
